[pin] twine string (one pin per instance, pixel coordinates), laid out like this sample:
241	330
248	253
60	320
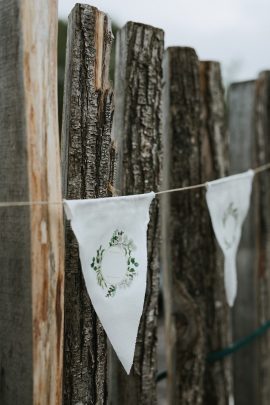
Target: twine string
257	170
262	168
181	189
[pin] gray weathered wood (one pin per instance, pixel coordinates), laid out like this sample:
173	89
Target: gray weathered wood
214	164
242	150
196	316
137	133
262	186
181	257
87	173
31	238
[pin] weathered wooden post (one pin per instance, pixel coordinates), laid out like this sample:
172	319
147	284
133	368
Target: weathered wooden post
137	133
242	151
31	239
214	164
87	170
196	315
262	184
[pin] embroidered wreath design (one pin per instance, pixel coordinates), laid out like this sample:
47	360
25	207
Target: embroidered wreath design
127	245
232	212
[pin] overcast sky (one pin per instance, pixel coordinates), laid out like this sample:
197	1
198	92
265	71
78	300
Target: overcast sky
234	32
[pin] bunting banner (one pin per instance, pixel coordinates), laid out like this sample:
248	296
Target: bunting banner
112	239
228	202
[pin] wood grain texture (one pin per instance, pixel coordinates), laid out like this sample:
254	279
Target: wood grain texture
214	164
262	188
196	317
242	152
87	173
31	238
181	228
137	133
16	343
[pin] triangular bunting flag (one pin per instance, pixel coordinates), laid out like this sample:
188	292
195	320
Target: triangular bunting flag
112	238
228	201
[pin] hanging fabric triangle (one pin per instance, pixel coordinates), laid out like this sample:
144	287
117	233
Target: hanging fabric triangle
228	202
112	239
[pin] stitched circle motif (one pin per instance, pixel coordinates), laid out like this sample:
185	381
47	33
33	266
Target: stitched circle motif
115	266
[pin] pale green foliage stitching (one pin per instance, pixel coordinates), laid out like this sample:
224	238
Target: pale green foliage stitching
231	211
96	265
118	239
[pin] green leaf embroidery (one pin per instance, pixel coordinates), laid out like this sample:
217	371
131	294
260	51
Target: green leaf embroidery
118	239
232	212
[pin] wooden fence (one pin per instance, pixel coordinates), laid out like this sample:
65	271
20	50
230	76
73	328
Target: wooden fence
166	124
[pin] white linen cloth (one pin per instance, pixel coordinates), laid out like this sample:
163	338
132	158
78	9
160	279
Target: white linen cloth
112	239
228	202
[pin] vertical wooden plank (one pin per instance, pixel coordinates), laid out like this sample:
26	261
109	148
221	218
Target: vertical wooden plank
31	244
262	184
241	104
15	238
181	233
214	164
39	27
87	171
196	317
137	132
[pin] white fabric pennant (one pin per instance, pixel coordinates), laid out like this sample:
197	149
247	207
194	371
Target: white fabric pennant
228	202
112	239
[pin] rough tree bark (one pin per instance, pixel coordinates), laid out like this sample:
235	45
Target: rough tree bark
262	184
31	238
87	162
137	132
196	315
242	151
